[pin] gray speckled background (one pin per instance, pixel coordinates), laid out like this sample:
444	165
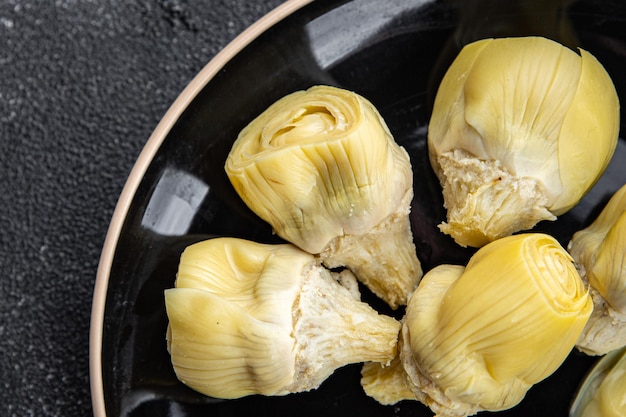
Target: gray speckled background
82	85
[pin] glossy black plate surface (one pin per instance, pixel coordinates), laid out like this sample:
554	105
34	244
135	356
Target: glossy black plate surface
394	53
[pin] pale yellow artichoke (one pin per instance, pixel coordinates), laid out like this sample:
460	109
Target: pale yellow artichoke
322	168
478	337
603	393
600	254
521	129
248	318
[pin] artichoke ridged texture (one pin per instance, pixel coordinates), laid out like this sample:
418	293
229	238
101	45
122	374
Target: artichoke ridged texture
318	164
608	396
600	254
323	169
483	334
228	332
601	249
249	318
513	122
224	352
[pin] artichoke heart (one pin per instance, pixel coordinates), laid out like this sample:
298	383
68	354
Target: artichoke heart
249	318
521	129
476	338
600	254
603	393
322	168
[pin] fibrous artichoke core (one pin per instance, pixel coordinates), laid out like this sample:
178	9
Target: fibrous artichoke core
478	337
247	318
600	254
514	121
481	187
322	168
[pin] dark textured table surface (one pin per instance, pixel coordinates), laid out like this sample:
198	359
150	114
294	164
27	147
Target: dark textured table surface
82	85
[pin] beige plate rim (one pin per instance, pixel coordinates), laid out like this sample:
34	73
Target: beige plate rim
143	161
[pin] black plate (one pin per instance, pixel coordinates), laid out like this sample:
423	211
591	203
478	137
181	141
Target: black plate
393	52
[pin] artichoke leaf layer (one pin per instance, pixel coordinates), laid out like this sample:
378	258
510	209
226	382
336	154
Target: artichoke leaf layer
477	337
514	120
600	254
323	169
248	318
605	393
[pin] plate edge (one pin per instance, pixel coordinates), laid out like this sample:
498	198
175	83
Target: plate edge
132	183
